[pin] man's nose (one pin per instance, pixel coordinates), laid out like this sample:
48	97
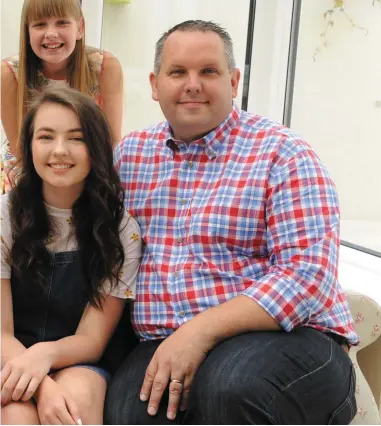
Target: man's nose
193	84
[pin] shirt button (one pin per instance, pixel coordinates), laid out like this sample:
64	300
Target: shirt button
180	240
183	201
182	314
175	274
189	164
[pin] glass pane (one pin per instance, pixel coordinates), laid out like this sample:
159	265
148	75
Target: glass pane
131	31
337	106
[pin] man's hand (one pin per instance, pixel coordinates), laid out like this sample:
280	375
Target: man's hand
176	361
55	405
21	376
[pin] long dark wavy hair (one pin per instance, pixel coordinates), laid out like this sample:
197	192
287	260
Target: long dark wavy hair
96	214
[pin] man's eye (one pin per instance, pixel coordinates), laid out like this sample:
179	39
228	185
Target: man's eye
209	71
177	72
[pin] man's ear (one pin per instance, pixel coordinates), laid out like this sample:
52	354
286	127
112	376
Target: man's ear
81	29
153	81
235	76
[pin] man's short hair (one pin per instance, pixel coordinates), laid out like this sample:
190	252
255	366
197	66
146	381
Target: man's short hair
196	25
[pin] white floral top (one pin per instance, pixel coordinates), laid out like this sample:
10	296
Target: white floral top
64	240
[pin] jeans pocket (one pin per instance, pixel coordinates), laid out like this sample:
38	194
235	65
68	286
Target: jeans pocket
346	412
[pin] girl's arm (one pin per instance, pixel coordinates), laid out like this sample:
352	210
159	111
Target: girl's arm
93	333
111	91
10	346
9	106
23	370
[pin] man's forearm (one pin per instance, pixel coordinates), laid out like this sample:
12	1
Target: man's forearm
237	316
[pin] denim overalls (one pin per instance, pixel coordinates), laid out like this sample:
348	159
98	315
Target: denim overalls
53	312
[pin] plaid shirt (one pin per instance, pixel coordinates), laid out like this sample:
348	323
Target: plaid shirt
246	210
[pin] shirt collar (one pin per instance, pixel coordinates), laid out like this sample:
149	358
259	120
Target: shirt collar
213	140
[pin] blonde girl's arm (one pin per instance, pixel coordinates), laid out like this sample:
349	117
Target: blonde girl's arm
9	87
111	91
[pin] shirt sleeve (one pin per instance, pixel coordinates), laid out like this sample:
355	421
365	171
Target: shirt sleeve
302	216
6	239
130	237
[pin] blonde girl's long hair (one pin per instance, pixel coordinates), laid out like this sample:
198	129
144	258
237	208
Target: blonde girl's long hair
81	75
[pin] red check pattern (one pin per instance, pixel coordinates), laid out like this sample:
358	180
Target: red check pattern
247	210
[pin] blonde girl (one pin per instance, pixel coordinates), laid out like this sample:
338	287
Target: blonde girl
53	52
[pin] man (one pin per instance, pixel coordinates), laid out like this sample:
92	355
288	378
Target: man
239	310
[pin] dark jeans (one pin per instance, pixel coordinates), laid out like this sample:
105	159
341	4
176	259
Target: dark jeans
302	377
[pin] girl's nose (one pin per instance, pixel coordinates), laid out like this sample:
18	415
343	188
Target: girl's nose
60	148
51	32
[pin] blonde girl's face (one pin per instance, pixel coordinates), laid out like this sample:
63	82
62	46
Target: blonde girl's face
53	39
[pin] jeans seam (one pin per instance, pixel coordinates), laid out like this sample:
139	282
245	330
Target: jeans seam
346	400
297	380
312	372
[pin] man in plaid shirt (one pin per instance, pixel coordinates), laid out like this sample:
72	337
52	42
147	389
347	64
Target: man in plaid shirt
240	314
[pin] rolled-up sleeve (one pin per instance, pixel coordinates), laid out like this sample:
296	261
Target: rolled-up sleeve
302	218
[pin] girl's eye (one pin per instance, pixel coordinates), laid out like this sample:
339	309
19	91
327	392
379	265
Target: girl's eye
39	24
63	22
46	137
78	139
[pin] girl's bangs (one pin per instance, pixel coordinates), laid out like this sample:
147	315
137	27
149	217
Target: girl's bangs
39	9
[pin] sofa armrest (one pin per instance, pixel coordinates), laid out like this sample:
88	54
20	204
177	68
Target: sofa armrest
367	317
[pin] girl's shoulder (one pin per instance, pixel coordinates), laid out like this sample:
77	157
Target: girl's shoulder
101	60
12	63
4	217
4	204
95	58
5	238
130	224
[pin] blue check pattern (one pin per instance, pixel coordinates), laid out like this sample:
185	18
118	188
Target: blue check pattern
248	209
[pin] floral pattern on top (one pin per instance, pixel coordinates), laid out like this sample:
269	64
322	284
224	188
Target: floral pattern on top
134	237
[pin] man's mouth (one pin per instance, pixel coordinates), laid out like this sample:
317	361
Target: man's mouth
193	102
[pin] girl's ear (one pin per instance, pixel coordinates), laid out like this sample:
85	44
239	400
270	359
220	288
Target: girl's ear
81	29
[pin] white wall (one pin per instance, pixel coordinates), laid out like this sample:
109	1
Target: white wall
335	101
131	31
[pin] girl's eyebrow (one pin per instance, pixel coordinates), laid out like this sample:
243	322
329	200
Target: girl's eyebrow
48	129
